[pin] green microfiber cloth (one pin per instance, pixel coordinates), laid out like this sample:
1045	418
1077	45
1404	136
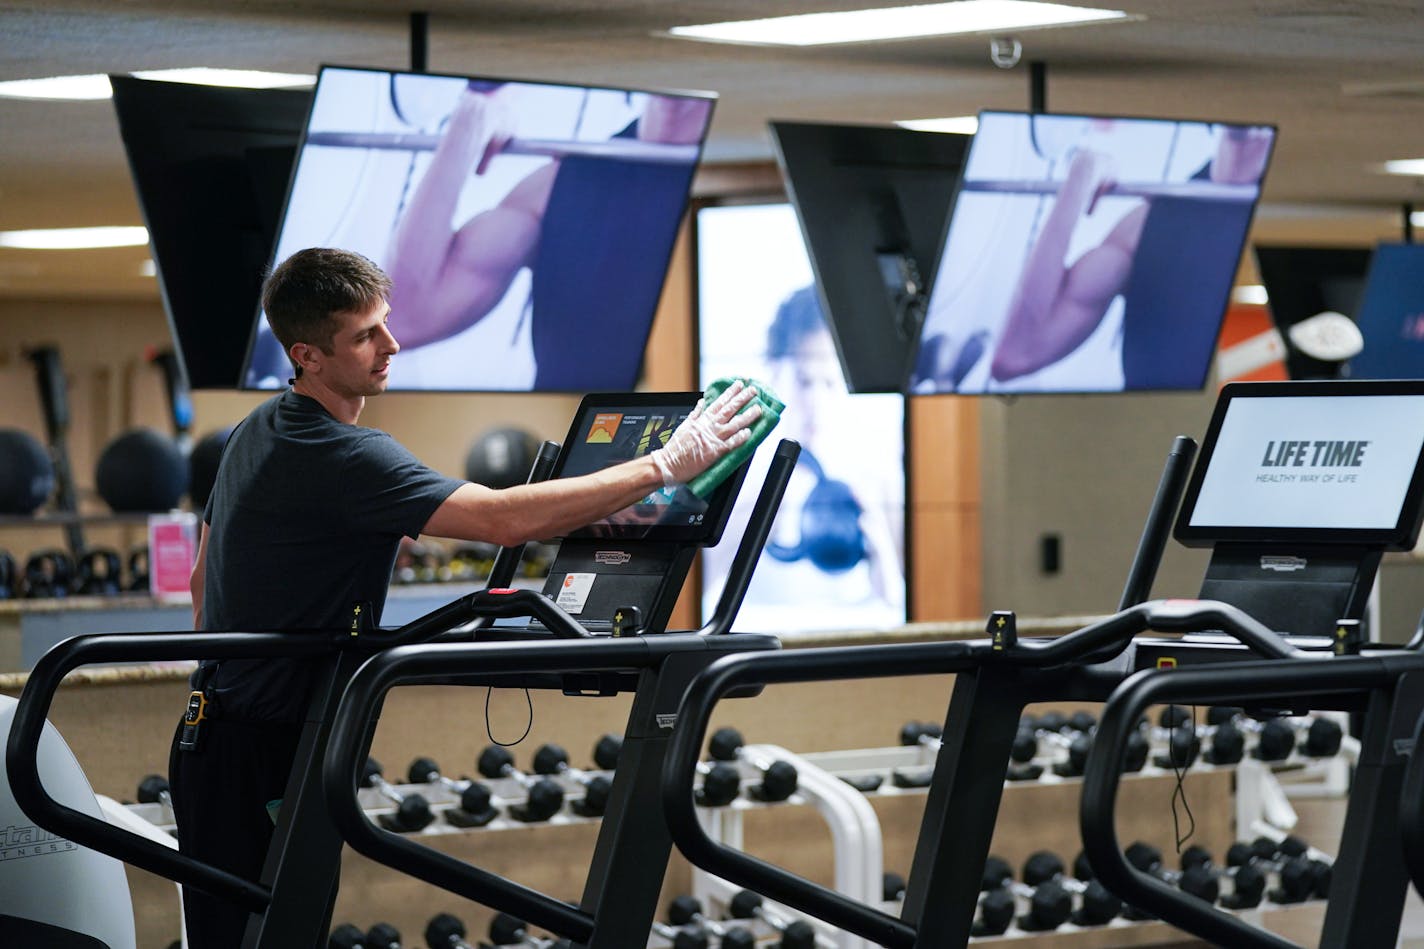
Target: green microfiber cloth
707	482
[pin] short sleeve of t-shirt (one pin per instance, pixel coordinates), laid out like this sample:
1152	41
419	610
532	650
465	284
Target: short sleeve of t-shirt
385	489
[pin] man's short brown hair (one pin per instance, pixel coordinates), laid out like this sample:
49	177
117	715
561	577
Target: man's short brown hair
303	296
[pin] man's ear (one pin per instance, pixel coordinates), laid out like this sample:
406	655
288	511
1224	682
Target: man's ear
305	355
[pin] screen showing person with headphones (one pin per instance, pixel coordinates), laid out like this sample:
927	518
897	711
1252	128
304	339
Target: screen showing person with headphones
835	557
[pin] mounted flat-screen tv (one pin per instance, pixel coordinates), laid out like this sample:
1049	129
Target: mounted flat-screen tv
1303	281
1090	254
1391	315
210	165
527	226
872	203
836	555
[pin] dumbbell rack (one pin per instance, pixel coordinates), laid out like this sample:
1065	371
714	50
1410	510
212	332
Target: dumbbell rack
857	841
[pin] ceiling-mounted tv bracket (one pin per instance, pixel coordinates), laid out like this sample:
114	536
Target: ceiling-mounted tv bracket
419	41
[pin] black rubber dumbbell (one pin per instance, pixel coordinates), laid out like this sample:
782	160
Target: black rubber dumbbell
912	734
1301	873
476	807
1248	883
1176	726
997	908
507	930
543	796
1197	878
383	936
153	789
1096	906
721	784
795	934
1050	904
689	937
892	887
445	931
551	760
778	778
346	936
685	911
1323	738
412	810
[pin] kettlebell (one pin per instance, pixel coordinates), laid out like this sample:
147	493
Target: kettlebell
831	537
138	569
48	573
8	580
99	572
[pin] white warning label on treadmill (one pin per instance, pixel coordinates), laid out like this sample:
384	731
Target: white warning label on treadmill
574	593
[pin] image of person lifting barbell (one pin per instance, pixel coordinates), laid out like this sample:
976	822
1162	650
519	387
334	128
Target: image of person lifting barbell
1128	234
527	226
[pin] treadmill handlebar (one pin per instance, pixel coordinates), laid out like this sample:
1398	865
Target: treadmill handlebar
506	562
1110	636
22	747
1241	683
754	537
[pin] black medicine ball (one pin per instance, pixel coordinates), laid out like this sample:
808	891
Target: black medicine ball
203	466
26	472
142	470
501	457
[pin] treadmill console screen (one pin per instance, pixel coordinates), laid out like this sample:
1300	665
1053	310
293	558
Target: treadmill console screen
613	428
1310	463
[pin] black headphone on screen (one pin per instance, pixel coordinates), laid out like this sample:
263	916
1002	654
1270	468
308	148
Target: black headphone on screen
831	537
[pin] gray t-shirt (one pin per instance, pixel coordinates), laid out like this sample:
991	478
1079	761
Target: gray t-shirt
304	522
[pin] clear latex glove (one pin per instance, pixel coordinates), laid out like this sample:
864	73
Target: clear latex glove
707	434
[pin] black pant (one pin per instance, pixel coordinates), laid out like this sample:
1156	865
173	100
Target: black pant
220	797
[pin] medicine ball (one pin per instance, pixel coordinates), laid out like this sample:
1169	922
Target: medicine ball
203	466
831	537
142	470
26	472
501	457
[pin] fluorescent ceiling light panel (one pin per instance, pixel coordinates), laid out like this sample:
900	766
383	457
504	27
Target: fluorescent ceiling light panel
963	124
58	87
148	268
75	238
895	23
1417	219
79	88
1405	166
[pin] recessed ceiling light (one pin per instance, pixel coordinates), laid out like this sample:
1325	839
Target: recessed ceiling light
81	88
892	23
1416	219
148	268
1405	166
1249	293
963	124
75	238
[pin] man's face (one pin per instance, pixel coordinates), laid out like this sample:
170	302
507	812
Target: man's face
361	349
